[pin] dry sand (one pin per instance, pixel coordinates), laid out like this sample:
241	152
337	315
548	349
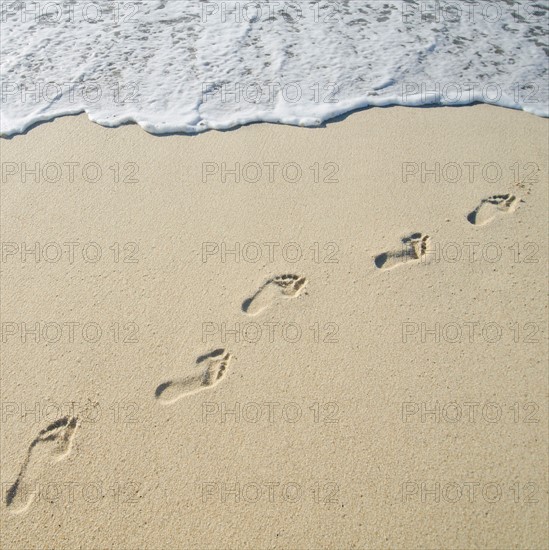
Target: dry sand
375	408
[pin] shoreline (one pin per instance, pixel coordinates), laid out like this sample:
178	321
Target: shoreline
322	125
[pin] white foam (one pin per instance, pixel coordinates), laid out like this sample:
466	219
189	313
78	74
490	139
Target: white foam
175	66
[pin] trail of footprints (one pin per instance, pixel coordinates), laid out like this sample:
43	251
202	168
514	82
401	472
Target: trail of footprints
54	443
213	366
416	247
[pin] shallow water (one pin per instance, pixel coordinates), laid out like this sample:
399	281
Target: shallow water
186	66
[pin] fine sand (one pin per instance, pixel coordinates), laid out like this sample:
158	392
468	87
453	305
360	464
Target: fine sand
339	350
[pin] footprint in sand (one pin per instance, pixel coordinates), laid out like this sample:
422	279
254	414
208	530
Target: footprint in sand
492	208
415	248
215	369
281	287
52	444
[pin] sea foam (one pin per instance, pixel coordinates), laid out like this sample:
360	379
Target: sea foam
188	65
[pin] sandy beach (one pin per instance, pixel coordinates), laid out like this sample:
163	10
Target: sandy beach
277	337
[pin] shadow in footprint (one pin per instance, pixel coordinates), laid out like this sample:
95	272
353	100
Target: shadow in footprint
162	388
215	369
54	442
381	260
215	353
414	248
492	208
275	289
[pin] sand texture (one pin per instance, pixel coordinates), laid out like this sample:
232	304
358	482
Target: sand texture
277	337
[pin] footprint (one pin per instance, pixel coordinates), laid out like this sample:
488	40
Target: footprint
493	207
52	444
283	286
214	371
415	248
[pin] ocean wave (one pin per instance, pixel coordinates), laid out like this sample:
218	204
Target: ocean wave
189	66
